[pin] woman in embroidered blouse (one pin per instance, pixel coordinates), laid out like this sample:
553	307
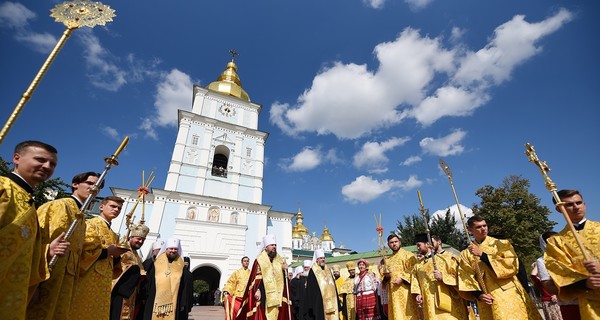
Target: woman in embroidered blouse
365	287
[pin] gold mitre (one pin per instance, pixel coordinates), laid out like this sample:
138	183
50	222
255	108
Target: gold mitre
350	265
139	230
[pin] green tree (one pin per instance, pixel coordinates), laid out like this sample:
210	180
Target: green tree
413	225
511	211
445	228
46	191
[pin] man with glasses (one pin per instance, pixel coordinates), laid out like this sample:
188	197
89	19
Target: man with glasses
576	277
55	217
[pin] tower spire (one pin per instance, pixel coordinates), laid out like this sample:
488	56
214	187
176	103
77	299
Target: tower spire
229	82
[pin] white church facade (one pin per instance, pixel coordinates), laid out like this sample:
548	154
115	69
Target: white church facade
212	198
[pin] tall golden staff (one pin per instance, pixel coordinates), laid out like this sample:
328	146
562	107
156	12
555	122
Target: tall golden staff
73	14
129	218
551	186
110	161
447	171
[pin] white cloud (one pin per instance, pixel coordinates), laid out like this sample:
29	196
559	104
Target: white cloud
305	160
467	212
102	67
513	43
375	4
456	34
15	15
372	154
417	77
411	160
332	157
418	4
444	146
172	94
364	189
111	132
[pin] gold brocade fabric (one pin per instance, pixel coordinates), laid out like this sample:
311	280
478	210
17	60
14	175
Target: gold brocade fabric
55	294
501	282
401	305
129	259
564	262
346	286
328	292
91	297
236	284
168	276
22	260
272	278
424	283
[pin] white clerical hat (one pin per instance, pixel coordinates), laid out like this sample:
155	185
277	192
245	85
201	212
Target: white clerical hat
308	263
157	244
298	270
268	240
171	243
318	254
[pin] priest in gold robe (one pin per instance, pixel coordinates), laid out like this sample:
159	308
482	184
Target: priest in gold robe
124	302
23	262
55	217
401	305
435	283
504	298
321	299
99	264
168	285
267	294
576	278
233	291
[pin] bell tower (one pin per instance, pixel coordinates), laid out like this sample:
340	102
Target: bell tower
219	150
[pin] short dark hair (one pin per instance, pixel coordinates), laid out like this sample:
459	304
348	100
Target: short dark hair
244	257
474	219
436	238
565	193
83	176
547	235
392	236
116	199
20	148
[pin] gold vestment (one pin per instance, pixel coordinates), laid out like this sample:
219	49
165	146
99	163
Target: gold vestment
127	307
511	301
54	295
424	283
91	297
328	292
23	263
346	286
236	284
401	304
564	262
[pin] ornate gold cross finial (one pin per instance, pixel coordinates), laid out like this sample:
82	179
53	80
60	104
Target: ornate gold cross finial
233	54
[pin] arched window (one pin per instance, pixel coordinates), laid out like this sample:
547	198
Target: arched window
220	160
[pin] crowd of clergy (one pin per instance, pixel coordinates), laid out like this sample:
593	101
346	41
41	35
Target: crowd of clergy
56	265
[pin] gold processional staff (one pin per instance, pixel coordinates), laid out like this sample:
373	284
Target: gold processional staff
479	275
73	14
442	298
110	161
551	186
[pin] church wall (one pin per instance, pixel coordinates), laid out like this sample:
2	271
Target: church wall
257	228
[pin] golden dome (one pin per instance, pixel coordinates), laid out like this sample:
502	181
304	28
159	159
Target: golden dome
326	236
295	234
300	228
229	83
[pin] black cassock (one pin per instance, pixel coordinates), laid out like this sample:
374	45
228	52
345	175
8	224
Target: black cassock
185	301
123	289
312	301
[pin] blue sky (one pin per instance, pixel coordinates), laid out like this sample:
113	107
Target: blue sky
360	98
